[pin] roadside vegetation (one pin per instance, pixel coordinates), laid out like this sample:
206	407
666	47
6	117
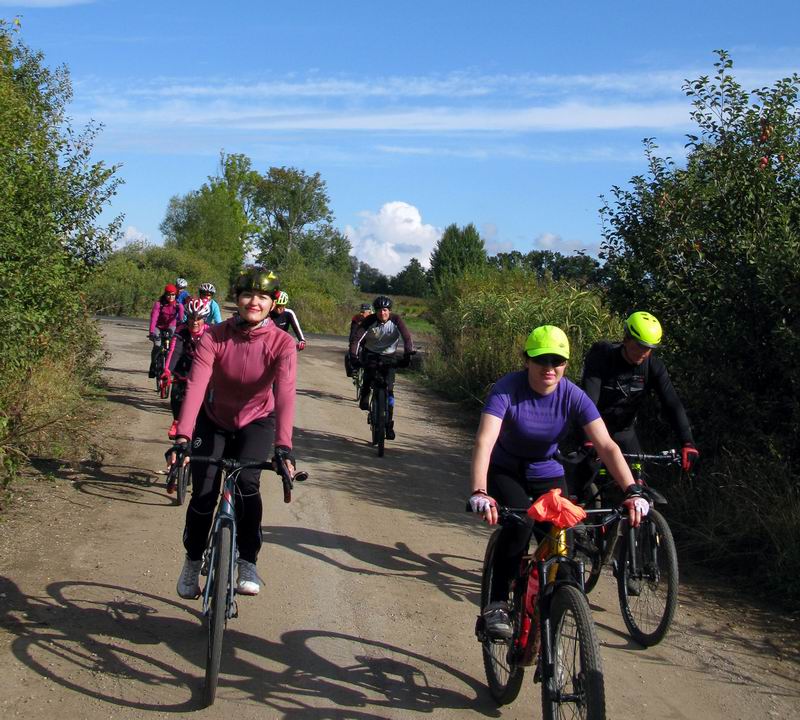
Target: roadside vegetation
51	194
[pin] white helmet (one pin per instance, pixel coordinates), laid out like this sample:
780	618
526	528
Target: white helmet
181	283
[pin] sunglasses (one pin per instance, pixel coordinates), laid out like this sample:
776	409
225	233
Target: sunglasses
550	360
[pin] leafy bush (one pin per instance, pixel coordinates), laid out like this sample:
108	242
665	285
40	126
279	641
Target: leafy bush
132	278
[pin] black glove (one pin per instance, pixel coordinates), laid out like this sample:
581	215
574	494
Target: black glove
355	363
633	491
282	454
181	449
405	361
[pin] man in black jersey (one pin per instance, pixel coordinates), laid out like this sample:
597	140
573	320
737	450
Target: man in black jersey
286	319
619	376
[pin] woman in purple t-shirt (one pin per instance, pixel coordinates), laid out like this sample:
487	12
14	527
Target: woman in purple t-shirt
525	416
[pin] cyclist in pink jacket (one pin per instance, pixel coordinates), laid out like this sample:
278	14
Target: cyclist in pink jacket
239	397
165	315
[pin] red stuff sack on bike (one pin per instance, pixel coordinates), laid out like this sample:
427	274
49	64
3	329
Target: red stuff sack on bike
553	508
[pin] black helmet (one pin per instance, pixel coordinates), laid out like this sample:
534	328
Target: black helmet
257	280
365	307
382	302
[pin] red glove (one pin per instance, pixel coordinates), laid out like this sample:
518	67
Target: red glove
165	376
689	455
301	345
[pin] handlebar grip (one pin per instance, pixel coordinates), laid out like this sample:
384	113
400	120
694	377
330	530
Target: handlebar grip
300	476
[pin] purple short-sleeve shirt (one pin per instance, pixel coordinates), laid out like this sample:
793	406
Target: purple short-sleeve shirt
533	424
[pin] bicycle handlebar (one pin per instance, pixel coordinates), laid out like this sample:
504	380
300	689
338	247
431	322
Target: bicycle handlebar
232	465
663	457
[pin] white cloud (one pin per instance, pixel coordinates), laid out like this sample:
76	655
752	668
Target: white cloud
556	243
388	239
131	234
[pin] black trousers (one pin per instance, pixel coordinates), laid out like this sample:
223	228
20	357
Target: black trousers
514	490
251	443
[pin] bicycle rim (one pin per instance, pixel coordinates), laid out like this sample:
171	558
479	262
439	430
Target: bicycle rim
219	576
503	674
183	483
648	599
577	689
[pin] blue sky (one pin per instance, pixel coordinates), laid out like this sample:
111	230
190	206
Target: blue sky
515	116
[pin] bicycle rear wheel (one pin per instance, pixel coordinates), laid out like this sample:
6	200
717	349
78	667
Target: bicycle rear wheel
379	419
503	673
577	689
184	477
358	380
648	595
219	577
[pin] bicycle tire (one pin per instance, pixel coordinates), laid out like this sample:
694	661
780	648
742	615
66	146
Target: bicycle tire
219	576
504	674
159	370
573	691
379	419
357	381
648	615
184	478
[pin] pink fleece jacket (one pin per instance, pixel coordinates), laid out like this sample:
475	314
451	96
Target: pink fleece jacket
232	377
165	316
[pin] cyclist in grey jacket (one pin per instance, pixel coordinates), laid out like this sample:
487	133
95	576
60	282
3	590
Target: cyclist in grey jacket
379	335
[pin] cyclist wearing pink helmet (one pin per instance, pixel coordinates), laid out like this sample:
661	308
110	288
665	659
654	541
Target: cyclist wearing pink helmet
165	315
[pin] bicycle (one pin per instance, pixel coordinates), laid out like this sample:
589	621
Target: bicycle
381	404
552	628
644	559
358	381
219	560
162	384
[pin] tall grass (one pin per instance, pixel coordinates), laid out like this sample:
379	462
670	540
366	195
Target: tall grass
483	321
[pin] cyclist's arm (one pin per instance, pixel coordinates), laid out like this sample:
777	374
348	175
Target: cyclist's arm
356	339
175	352
216	315
488	432
295	325
670	401
609	452
592	379
199	377
284	388
408	344
154	313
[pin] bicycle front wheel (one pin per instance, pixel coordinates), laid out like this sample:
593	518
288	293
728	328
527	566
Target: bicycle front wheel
379	419
184	475
647	580
503	673
219	577
576	689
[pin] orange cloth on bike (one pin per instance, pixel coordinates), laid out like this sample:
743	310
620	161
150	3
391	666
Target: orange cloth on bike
553	508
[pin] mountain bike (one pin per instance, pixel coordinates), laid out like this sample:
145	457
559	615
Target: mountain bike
644	559
162	384
381	404
219	560
552	628
358	381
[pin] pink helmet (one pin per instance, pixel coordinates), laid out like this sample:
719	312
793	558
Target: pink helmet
197	309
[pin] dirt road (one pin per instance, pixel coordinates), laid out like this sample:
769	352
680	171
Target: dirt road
371	585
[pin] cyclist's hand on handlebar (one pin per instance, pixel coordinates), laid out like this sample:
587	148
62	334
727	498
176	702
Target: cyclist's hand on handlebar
301	345
166	375
484	504
689	455
284	455
355	363
152	337
636	504
181	451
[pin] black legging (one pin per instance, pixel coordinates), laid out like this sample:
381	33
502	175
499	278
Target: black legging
251	443
513	490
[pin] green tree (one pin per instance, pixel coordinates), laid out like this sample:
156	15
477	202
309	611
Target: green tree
459	251
371	280
411	280
287	203
210	223
712	248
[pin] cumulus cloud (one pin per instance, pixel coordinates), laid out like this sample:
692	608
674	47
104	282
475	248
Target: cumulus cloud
131	234
389	238
556	243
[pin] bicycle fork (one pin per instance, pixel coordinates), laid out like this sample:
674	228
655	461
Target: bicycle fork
224	516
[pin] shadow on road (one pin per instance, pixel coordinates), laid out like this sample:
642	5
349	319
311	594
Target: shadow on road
108	642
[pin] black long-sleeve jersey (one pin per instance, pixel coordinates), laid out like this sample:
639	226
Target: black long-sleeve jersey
619	389
288	320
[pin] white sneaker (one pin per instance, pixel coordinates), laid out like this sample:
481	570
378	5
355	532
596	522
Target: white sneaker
189	581
249	582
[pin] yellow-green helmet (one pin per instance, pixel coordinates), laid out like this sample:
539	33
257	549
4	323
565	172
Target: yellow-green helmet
256	280
644	328
281	298
547	340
